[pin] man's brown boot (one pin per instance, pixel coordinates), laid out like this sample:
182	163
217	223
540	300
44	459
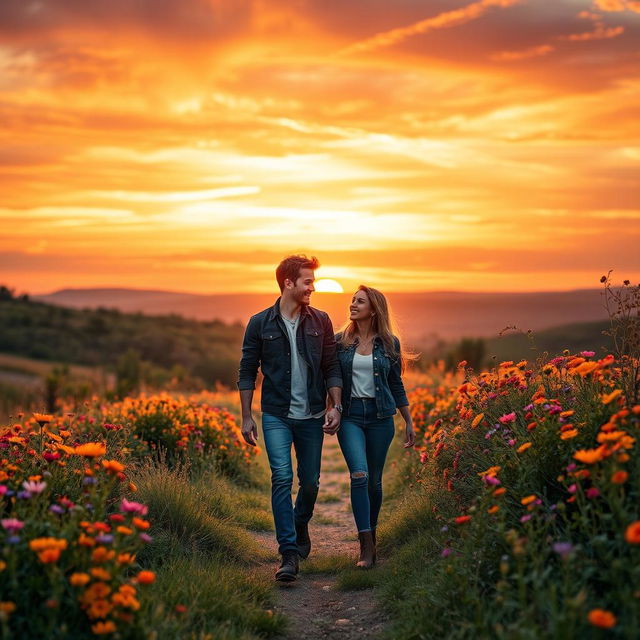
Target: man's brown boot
367	550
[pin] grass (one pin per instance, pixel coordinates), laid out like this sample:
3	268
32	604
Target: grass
319	518
335	468
330	564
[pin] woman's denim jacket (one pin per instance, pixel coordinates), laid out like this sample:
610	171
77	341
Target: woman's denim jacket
390	392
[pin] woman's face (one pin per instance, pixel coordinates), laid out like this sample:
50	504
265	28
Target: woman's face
360	307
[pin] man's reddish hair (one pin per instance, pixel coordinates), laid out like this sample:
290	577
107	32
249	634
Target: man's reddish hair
289	268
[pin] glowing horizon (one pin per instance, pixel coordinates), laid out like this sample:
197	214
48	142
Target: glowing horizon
487	145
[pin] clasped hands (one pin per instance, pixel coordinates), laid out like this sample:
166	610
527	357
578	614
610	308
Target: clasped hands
331	421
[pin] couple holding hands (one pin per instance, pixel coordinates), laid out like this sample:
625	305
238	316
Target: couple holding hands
317	383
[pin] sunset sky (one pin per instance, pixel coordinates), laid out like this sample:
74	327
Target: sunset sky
413	145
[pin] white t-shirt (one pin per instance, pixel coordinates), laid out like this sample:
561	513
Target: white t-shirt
362	384
299	408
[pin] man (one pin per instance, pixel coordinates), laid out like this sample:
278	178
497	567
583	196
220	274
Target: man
294	346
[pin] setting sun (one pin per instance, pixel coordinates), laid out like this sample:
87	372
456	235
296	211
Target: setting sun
327	285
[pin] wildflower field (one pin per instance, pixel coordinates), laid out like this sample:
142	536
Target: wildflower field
520	513
119	521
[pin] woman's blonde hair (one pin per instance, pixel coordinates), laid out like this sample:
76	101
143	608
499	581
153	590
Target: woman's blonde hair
382	323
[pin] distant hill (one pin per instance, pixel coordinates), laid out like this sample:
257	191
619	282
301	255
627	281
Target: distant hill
172	344
422	316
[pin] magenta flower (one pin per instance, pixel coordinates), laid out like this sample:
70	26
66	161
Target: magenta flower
508	418
446	552
526	518
133	507
592	492
491	480
587	354
34	487
3	489
12	525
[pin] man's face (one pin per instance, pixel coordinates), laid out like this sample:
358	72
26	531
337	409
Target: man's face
303	287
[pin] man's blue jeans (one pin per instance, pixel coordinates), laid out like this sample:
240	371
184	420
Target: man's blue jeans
306	436
364	439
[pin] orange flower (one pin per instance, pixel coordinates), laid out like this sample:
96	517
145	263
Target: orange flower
523	447
602	618
609	397
99	609
585	368
619	477
125	531
79	579
42	418
42	544
100	573
139	523
589	456
102	554
462	519
528	499
101	628
113	466
146	577
632	534
477	420
49	556
567	435
499	491
126	558
494	509
86	541
91	449
7	607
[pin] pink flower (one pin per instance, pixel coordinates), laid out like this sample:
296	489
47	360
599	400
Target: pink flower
507	418
3	489
446	552
526	518
12	524
133	507
34	487
492	480
572	489
587	354
592	493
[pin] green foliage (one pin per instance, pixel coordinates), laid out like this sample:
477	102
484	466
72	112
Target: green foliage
209	350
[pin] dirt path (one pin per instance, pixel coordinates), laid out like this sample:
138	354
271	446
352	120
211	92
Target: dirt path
315	608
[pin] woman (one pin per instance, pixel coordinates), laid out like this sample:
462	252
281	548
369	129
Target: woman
371	360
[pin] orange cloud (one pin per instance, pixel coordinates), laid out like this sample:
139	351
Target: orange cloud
441	21
531	52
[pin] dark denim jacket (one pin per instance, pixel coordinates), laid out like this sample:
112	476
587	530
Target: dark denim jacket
266	344
390	392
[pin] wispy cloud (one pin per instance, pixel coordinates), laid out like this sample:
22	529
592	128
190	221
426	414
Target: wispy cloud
441	21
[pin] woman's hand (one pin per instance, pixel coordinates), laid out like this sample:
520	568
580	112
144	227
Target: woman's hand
410	435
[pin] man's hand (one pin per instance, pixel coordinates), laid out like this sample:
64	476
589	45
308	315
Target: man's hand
331	422
249	431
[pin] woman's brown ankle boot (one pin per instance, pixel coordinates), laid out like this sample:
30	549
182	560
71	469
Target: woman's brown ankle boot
367	550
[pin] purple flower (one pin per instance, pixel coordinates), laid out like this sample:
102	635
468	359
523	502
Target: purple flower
12	524
563	548
444	528
104	538
57	509
23	495
13	539
88	480
446	552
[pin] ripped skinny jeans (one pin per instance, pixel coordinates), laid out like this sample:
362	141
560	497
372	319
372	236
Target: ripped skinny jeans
364	439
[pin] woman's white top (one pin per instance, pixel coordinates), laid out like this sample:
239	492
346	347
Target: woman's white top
362	385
